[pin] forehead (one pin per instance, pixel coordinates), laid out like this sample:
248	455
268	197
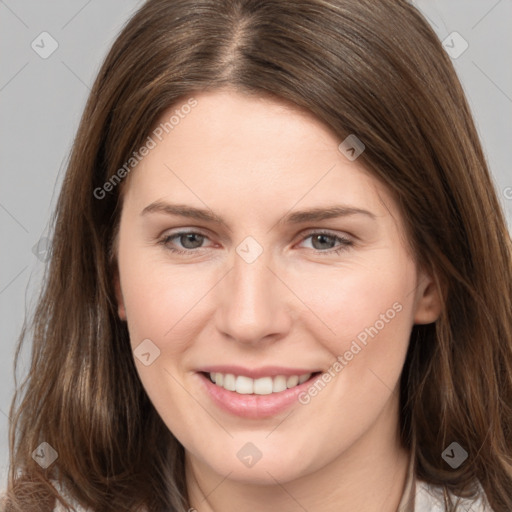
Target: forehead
241	148
224	121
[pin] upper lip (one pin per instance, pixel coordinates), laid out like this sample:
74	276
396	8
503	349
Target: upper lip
255	373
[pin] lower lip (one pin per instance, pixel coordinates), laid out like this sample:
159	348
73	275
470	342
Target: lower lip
253	406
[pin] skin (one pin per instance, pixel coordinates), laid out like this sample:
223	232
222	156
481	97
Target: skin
252	161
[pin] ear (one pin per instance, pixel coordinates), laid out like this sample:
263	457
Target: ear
428	300
121	311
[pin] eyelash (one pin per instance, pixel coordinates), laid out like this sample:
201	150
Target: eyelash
345	242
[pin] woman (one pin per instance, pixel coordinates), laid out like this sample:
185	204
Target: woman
257	369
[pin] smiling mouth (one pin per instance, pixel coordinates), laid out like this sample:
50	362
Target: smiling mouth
244	385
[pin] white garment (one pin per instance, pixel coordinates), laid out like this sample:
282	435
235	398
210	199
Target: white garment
429	498
420	496
426	498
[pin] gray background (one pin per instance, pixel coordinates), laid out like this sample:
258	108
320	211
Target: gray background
41	100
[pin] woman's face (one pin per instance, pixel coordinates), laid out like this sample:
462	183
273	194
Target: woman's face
291	266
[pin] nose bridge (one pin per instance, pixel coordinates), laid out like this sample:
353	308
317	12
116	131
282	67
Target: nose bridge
252	305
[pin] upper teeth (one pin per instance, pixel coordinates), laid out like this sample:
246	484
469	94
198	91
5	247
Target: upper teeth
263	386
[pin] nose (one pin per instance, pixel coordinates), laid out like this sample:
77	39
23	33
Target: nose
255	305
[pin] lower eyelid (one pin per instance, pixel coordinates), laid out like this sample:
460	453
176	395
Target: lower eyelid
336	238
343	242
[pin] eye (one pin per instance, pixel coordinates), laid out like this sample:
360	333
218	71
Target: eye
192	240
320	237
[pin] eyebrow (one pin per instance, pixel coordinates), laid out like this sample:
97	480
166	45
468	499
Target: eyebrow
296	217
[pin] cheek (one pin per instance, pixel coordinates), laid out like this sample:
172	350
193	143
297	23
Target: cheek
366	320
161	300
360	302
338	304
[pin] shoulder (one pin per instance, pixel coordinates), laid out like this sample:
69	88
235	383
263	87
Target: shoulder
65	495
429	498
75	506
58	507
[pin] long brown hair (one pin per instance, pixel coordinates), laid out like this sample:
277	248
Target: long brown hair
374	69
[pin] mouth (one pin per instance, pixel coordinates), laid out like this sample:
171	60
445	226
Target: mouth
254	398
268	385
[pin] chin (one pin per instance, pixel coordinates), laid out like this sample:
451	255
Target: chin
265	471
